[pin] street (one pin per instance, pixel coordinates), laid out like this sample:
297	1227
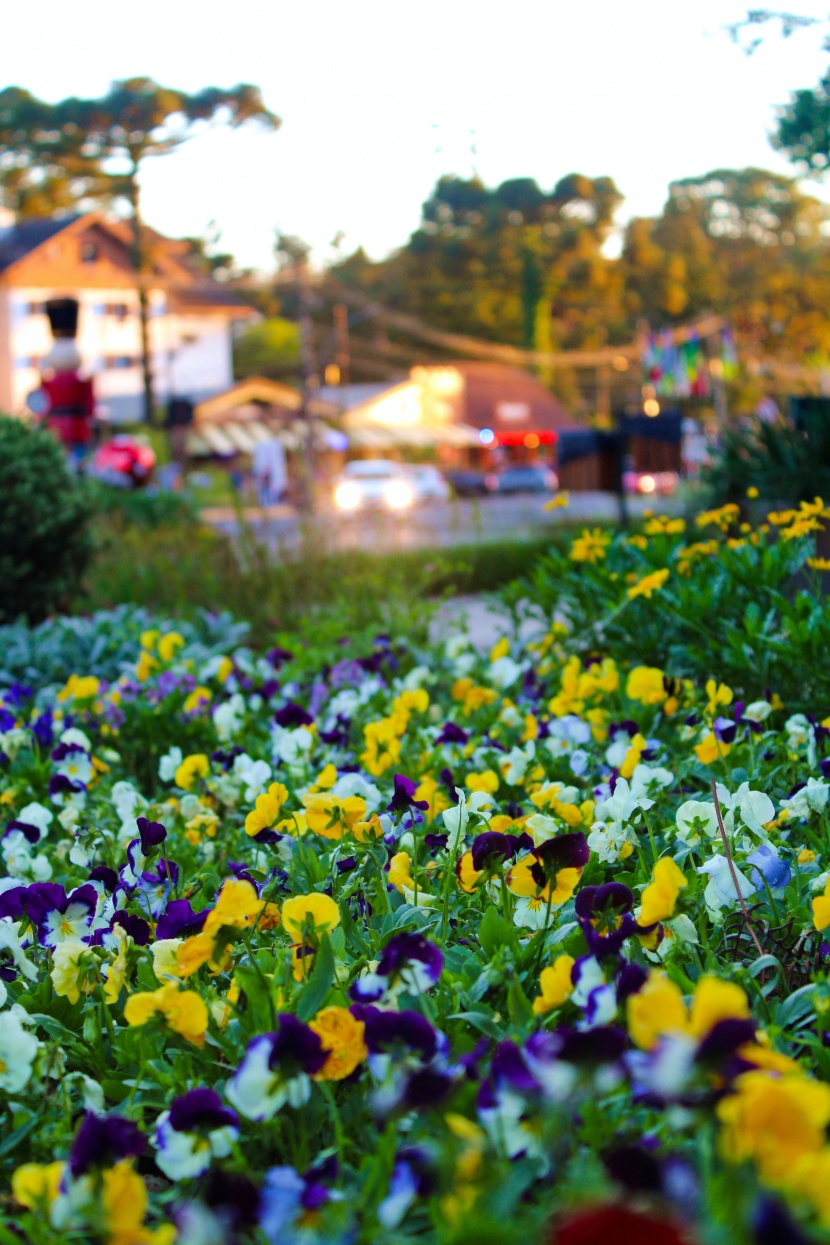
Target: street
435	523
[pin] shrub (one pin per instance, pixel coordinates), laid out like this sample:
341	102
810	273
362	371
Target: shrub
45	540
785	463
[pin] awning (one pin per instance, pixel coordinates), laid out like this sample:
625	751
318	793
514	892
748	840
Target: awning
366	434
229	437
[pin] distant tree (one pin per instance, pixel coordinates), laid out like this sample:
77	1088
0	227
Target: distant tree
91	150
270	348
499	263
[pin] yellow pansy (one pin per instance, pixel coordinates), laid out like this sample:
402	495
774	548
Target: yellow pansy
192	767
821	908
266	810
331	816
343	1039
36	1185
656	1010
715	1000
555	984
367	831
198	698
660	896
315	912
169	645
710	748
79	687
775	1121
237	907
487	781
645	684
184	1011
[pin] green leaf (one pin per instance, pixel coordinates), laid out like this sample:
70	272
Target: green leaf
9	1143
319	982
494	932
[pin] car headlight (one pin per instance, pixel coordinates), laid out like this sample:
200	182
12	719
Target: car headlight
398	495
347	495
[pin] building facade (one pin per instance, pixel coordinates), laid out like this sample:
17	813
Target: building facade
88	258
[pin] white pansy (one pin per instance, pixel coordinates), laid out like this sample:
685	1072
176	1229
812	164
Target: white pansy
169	763
812	798
543	828
456	645
10	943
801	735
578	762
253	775
586	975
756	808
356	784
129	803
76	765
758	711
617	750
517	761
13	740
20	862
693	818
620	807
18	1050
565	733
183	1155
607	842
417	677
228	717
720	890
38	815
504	672
652	777
457	818
291	746
75	736
69	816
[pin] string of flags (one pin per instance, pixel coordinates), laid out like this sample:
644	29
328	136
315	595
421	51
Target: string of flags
681	369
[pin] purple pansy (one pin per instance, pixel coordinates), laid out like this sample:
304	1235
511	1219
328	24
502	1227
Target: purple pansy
102	1140
58	916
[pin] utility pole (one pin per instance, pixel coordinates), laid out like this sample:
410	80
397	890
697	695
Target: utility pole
341	334
309	385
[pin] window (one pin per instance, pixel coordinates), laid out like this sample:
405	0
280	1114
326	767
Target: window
35	309
89	253
28	361
116	362
119	310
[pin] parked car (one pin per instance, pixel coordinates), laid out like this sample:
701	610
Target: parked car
427	482
124	462
523	478
651	483
467	483
373	484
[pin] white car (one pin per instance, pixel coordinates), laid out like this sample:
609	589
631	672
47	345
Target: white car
428	483
373	484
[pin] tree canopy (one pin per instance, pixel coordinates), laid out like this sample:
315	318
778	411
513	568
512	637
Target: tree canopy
79	151
520	265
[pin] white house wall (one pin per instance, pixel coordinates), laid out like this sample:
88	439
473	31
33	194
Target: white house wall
191	353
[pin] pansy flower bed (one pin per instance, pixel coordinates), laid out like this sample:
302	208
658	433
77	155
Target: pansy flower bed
422	944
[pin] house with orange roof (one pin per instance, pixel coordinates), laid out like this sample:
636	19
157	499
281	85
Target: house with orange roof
88	257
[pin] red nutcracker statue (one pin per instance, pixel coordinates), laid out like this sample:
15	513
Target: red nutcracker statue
65	401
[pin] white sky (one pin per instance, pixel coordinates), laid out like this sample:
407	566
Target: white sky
380	97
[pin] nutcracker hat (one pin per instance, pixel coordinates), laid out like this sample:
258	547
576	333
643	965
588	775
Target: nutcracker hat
63	316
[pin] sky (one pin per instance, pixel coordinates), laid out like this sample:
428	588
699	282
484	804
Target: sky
378	98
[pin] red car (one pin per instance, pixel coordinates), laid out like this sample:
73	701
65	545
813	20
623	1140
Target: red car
123	461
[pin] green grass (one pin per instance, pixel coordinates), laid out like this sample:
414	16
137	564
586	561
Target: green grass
172	563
